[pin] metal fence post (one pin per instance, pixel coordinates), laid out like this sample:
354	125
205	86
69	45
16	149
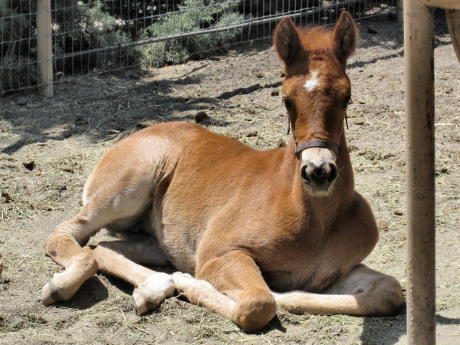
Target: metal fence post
420	173
44	48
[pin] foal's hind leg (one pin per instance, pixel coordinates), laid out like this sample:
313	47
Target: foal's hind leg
362	292
64	244
151	288
64	247
376	293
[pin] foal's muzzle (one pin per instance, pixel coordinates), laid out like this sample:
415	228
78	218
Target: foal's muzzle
324	173
318	169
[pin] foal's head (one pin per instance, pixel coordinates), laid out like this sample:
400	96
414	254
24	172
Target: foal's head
316	92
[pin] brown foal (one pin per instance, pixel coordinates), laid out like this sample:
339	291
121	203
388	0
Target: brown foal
249	230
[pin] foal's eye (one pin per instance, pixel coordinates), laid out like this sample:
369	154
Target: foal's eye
287	103
346	101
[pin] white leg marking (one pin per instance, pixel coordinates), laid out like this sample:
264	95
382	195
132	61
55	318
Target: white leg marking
202	293
152	292
313	82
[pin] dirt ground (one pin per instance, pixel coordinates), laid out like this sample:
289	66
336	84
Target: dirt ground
49	145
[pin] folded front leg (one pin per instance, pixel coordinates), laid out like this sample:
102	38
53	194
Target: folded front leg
202	293
231	285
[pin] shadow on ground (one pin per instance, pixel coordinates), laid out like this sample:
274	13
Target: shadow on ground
376	332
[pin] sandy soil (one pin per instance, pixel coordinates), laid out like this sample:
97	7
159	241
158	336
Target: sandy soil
49	145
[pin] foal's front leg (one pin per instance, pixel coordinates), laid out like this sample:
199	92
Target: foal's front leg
362	292
238	291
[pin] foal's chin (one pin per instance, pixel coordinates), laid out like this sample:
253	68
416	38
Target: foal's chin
320	190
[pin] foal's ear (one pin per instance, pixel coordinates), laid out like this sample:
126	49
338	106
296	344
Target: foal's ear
286	40
345	36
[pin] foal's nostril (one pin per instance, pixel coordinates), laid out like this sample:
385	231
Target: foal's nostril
304	175
332	173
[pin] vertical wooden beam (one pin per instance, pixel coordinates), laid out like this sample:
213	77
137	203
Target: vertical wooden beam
44	48
420	174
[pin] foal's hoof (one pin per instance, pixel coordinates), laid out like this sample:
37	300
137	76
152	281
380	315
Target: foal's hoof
152	292
65	284
52	295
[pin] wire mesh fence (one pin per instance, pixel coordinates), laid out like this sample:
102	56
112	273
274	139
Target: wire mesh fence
94	36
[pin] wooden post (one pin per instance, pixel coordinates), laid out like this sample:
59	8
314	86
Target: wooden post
44	48
420	174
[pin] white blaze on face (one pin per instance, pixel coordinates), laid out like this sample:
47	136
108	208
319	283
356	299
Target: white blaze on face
313	82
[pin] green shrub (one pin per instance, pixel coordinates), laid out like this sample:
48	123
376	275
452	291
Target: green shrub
192	16
86	27
15	70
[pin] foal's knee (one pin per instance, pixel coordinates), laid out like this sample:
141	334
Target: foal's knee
254	310
58	243
68	237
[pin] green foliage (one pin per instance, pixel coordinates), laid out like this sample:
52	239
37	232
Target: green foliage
192	16
13	24
91	28
16	21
